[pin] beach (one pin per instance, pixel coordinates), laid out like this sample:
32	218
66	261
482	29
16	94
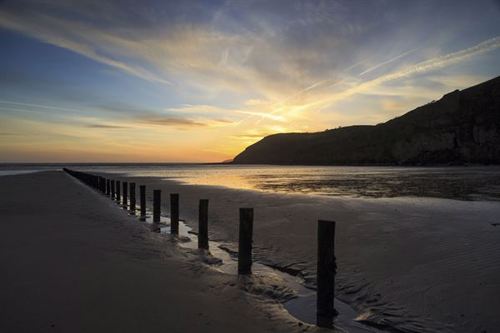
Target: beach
72	261
75	261
250	166
404	264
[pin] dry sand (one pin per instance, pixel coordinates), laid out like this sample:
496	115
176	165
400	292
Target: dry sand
71	261
414	265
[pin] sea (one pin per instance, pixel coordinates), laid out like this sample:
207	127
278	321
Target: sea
471	183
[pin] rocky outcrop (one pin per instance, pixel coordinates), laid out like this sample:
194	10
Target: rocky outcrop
462	127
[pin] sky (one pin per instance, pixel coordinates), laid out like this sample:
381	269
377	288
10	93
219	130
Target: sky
198	81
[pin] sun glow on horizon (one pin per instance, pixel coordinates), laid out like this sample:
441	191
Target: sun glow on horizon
199	82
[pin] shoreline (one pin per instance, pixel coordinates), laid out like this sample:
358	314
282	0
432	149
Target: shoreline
267	281
83	265
66	164
389	290
373	275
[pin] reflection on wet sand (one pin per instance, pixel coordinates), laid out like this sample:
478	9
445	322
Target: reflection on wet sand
451	183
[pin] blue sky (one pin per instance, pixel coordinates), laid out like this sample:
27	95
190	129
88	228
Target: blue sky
200	80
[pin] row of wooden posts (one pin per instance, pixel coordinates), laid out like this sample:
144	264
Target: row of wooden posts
326	266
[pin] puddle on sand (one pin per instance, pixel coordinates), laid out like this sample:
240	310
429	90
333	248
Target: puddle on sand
299	301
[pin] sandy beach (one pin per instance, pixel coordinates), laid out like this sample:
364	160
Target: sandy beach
73	262
405	264
250	166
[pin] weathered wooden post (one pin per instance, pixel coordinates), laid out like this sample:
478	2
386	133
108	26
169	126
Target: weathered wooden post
108	186
325	274
174	213
118	191
125	195
245	242
203	225
112	189
142	190
132	198
156	206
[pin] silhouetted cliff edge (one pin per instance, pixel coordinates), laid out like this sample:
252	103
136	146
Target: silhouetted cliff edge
462	127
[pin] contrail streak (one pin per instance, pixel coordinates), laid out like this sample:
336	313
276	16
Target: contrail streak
421	67
371	69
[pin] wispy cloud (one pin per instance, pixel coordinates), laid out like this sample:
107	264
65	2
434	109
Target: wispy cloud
377	66
72	36
181	122
419	68
445	60
222	75
36	106
263	115
105	126
170	121
220	55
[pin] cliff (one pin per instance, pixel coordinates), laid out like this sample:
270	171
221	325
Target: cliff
462	127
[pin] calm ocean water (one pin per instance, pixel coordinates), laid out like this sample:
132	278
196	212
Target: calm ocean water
462	183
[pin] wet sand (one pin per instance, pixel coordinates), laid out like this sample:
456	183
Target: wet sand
72	262
409	265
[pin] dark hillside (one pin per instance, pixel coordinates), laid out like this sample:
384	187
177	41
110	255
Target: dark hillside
462	127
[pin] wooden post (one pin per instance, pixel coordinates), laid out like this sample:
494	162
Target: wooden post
245	242
118	191
325	274
156	206
108	187
174	213
112	188
132	198
125	195
142	190
203	225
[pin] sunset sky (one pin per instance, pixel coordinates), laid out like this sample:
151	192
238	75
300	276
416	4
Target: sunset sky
165	81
